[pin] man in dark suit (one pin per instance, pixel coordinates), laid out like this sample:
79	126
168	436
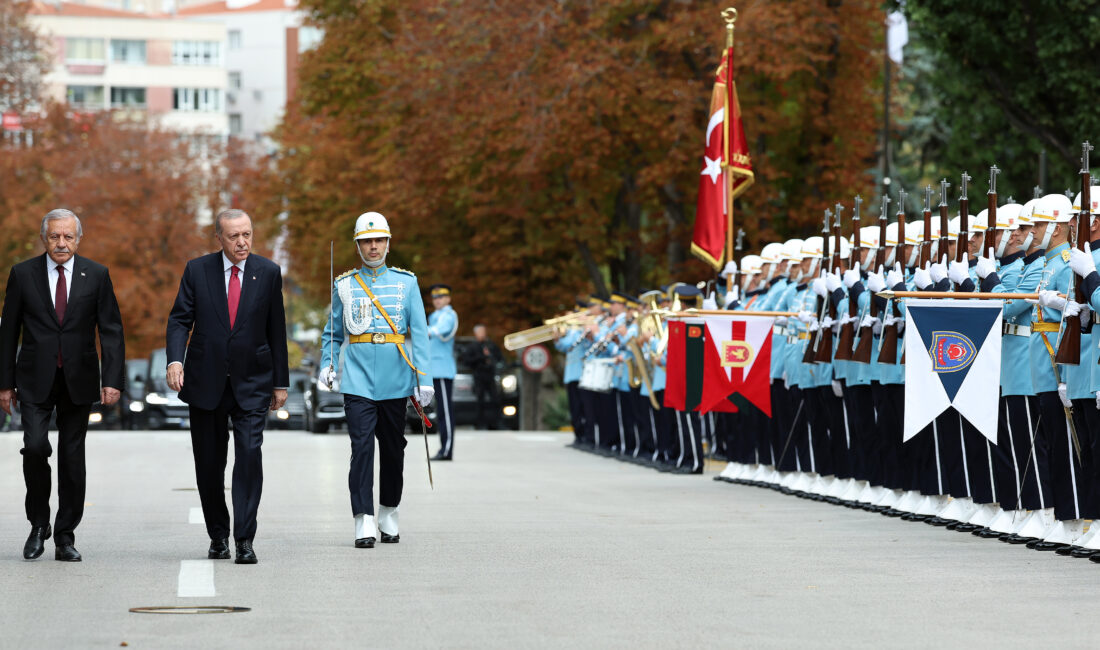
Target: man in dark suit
55	303
483	356
235	368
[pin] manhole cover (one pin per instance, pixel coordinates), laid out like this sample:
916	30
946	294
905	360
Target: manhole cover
211	609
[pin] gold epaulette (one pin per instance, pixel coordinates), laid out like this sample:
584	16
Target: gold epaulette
345	274
400	270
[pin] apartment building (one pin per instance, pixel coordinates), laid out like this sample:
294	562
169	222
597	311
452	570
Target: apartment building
170	69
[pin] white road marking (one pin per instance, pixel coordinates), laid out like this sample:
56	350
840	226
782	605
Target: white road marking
196	579
195	516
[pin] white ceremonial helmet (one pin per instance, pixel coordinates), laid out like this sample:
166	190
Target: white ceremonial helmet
868	236
914	233
792	250
751	264
953	228
371	225
812	247
772	253
1053	207
1008	216
892	234
729	269
979	223
845	248
1094	201
1024	218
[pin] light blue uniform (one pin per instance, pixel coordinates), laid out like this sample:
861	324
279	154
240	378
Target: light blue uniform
1015	350
1055	277
570	343
377	371
442	327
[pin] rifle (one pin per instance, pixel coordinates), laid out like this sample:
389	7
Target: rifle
848	330
964	217
888	351
991	215
945	222
734	279
925	257
862	353
824	351
1069	349
811	347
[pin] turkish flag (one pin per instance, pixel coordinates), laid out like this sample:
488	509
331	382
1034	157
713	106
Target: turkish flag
708	242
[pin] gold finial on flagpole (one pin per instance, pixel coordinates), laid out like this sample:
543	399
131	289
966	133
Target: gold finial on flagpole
730	16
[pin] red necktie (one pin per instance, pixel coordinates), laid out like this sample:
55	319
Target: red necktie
60	299
234	295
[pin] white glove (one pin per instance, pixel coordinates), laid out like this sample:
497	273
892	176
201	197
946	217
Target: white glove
892	320
838	390
1051	299
851	276
1063	395
922	279
846	318
819	287
832	281
731	297
423	395
868	321
781	321
938	271
1098	401
894	277
1081	261
827	322
875	282
328	377
813	326
985	266
959	272
709	302
807	317
1072	309
787	384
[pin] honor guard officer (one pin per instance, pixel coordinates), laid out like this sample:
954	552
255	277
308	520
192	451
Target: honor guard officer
378	311
442	327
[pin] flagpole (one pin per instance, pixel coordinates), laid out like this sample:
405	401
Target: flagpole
730	16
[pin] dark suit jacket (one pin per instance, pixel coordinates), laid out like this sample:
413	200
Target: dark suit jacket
252	356
29	314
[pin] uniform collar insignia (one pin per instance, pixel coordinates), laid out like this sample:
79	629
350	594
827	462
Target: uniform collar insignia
374	273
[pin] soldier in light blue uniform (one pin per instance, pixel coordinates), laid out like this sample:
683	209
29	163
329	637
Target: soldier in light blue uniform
378	314
442	327
569	342
1052	217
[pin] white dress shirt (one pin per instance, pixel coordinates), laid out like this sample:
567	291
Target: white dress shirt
227	267
51	276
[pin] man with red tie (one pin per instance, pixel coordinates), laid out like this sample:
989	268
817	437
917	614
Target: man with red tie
54	304
235	368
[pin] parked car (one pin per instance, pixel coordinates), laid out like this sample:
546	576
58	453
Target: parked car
292	415
464	400
132	403
323	406
163	406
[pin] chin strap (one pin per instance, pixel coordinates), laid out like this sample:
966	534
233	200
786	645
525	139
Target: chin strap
1005	236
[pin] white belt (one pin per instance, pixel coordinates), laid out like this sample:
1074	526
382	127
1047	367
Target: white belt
1010	329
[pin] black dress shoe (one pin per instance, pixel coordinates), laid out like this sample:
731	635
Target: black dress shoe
390	539
953	525
34	546
986	533
219	549
1018	539
1067	550
440	456
364	542
1081	551
966	528
245	554
1047	546
937	521
66	553
1095	557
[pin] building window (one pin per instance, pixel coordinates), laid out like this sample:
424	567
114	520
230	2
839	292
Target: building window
128	52
234	81
191	100
234	39
196	53
85	96
127	98
84	50
235	126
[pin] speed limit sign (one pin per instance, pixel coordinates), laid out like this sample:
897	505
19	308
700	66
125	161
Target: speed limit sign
536	358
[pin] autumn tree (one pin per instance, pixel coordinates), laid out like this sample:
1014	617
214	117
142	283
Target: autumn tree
22	62
528	151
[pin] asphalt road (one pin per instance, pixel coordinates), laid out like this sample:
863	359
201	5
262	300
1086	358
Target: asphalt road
523	543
